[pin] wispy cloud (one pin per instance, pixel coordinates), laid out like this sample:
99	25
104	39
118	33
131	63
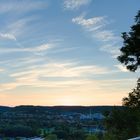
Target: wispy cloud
19	16
20	26
13	30
96	27
91	23
45	84
39	48
67	75
17	6
105	35
75	4
1	70
121	68
7	36
111	48
81	85
63	70
33	49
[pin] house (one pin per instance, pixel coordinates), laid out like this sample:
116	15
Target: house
95	116
98	116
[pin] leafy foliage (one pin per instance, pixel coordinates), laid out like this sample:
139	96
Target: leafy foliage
18	130
123	124
130	52
51	137
133	99
92	137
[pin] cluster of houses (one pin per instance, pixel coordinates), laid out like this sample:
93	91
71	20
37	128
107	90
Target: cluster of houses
73	118
95	116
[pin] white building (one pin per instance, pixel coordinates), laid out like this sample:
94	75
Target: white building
97	116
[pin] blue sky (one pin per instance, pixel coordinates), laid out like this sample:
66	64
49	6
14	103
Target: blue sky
63	52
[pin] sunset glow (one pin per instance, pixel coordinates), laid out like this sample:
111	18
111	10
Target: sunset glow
64	52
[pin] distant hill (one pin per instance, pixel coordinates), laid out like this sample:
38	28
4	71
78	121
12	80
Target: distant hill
4	108
58	109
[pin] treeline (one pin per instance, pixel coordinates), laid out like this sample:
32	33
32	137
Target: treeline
18	131
58	109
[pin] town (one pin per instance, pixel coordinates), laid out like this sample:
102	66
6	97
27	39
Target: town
36	122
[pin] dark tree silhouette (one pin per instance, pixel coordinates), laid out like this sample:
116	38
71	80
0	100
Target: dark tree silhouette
130	52
133	99
125	123
130	56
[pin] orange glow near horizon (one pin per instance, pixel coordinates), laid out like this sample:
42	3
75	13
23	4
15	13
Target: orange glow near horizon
63	99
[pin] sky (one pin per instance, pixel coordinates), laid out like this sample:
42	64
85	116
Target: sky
63	52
